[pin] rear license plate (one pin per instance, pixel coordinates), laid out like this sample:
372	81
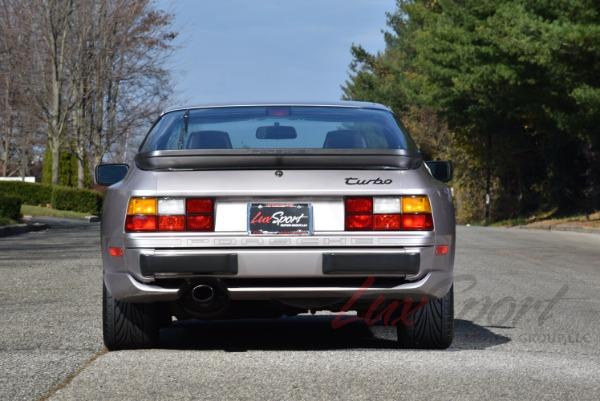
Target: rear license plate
279	218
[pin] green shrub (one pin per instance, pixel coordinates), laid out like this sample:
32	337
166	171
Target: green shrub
10	206
64	198
30	193
79	200
4	221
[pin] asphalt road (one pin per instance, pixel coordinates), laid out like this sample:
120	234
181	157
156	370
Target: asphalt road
527	327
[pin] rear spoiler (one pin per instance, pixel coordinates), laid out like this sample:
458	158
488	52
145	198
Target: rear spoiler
226	159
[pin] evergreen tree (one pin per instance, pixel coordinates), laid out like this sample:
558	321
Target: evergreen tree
516	83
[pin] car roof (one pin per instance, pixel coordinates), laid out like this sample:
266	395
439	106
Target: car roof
353	104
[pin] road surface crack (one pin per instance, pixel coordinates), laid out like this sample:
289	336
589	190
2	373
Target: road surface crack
64	383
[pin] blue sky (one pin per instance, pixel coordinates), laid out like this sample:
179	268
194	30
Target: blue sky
234	50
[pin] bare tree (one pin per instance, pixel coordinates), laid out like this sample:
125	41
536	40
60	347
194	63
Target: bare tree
55	100
96	69
19	127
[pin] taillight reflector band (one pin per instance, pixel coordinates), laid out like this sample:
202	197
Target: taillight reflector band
387	213
168	214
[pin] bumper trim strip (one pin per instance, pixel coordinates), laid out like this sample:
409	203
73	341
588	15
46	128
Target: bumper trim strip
371	263
226	263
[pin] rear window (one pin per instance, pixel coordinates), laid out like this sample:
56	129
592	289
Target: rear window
277	127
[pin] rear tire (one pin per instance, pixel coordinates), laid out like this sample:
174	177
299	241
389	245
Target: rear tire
129	325
430	326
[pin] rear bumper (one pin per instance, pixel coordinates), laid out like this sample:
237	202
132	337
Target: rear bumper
140	276
125	287
146	265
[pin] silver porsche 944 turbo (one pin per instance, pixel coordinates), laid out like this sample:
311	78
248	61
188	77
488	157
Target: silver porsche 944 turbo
274	209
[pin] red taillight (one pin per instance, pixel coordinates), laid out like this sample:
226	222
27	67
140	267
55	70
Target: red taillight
168	214
200	223
199	205
171	223
137	223
387	222
359	214
417	222
200	214
359	222
359	205
388	213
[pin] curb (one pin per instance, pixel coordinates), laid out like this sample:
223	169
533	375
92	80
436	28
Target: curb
89	219
564	228
16	229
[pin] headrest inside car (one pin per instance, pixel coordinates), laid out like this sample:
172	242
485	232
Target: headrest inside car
208	140
345	139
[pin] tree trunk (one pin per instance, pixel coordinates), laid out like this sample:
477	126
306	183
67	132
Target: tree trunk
8	131
58	31
80	173
55	152
25	155
6	149
488	179
78	128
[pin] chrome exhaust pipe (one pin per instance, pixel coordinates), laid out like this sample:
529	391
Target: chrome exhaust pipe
204	299
203	293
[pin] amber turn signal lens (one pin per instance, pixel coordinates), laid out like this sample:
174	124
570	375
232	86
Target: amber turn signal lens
415	204
142	206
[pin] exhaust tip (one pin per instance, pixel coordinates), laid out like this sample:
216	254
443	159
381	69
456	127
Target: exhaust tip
203	293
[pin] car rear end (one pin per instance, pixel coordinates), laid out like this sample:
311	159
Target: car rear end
276	209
